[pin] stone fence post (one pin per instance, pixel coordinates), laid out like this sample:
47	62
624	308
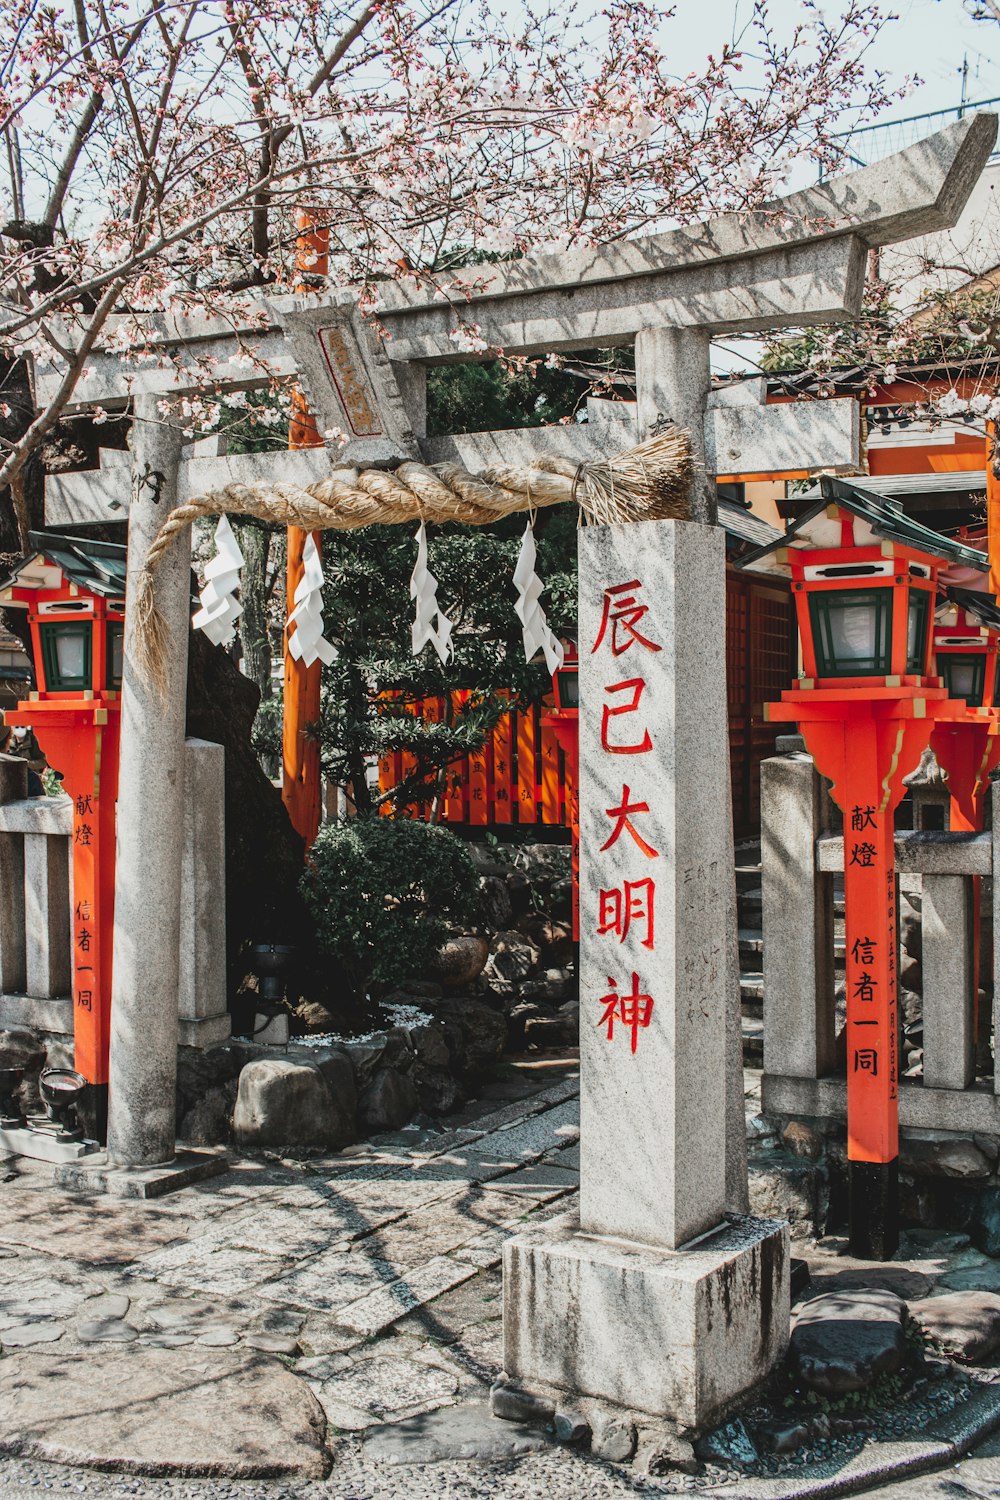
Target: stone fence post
13	788
799	1018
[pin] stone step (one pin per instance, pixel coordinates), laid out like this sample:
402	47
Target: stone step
753	1041
751	989
751	950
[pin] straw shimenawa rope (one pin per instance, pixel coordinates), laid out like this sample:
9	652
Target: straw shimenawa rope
647	483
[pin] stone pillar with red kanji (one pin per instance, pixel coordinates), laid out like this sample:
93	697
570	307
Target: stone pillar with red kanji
655	1298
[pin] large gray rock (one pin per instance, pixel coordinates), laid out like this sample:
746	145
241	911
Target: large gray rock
497	910
286	1103
453	1432
931	1154
460	961
476	1033
985	1227
512	957
966	1324
21	1048
141	1411
389	1101
209	1121
842	1341
338	1070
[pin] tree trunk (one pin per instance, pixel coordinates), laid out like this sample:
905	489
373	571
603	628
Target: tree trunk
255	544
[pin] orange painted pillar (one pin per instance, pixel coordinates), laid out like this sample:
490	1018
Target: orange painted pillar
865	749
993	507
299	750
81	740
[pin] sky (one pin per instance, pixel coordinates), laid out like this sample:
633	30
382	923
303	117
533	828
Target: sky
931	39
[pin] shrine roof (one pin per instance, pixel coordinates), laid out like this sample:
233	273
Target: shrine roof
882	519
982	607
98	567
741	525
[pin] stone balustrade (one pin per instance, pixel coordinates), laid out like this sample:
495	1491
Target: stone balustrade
35	903
801	854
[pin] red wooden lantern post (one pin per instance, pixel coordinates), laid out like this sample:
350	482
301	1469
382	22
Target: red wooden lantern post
864	578
966	643
565	720
74	594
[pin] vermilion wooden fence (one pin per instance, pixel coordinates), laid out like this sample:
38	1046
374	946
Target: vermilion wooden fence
518	777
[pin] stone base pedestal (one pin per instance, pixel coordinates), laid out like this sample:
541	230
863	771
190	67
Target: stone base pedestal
43	1145
97	1175
681	1334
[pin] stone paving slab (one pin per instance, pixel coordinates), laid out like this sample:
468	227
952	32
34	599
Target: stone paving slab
163	1412
92	1235
212	1268
329	1282
383	1306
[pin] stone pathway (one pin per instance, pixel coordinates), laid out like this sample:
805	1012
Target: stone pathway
154	1334
341	1309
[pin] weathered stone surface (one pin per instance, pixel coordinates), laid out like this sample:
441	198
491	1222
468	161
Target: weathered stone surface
842	1341
385	1385
931	1154
985	1226
338	1070
646	1309
801	1140
613	1439
106	1331
497	910
283	1103
20	1048
26	1334
781	1437
210	1121
966	1324
571	1426
456	1432
730	1445
476	1033
786	1189
512	956
389	1101
147	1413
512	1405
460	960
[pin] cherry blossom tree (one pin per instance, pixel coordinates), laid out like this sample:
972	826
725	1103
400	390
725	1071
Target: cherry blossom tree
156	151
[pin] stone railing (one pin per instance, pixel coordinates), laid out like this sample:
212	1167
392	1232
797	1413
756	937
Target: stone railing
35	903
801	855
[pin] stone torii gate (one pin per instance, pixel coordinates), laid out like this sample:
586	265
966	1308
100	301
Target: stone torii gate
654	1298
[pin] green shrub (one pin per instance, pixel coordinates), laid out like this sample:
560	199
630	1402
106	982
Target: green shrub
383	892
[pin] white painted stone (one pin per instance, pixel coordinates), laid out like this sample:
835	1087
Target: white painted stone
653	1121
680	1334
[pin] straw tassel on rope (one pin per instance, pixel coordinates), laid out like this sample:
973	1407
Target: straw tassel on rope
648	483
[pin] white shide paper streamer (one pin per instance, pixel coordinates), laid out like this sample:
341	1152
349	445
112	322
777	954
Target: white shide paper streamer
305	623
220	609
423	591
535	627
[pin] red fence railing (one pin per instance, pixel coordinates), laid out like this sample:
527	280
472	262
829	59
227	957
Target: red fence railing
519	776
